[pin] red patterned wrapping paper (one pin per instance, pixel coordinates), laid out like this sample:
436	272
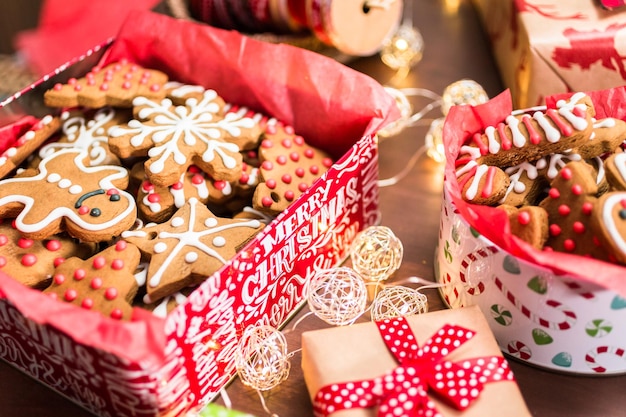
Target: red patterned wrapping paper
334	367
154	366
462	122
545	47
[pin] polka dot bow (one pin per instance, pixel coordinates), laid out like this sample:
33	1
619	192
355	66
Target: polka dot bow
403	391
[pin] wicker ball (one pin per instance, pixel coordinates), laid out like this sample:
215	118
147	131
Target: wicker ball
376	253
338	296
397	301
261	358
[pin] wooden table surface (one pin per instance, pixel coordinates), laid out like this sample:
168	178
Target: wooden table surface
456	48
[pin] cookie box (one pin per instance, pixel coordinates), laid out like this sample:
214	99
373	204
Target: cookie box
558	311
545	47
153	366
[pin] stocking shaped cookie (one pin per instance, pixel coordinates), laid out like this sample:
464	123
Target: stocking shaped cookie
571	205
65	195
289	166
189	247
175	137
117	84
104	282
32	262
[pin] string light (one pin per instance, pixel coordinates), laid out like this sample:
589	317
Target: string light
337	295
405	48
376	253
395	301
261	357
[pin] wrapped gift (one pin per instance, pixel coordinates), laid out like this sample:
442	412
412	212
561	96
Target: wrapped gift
544	47
444	361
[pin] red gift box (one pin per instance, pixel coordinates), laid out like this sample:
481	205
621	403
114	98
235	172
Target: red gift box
545	47
152	366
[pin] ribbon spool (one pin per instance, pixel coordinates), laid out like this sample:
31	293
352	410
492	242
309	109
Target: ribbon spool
261	358
338	296
376	253
397	301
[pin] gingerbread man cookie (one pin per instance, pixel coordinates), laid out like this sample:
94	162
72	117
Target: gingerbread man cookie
289	166
116	84
175	137
65	195
104	282
32	262
189	247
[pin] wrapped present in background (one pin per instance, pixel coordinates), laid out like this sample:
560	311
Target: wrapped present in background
545	47
445	361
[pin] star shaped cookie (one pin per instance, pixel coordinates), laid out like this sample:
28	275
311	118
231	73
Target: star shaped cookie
189	247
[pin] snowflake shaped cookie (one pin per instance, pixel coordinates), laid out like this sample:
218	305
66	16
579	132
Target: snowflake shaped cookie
175	137
190	247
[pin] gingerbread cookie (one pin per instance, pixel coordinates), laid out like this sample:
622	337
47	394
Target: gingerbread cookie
528	137
289	166
32	262
189	247
65	195
529	223
87	129
104	282
615	166
157	203
571	205
26	143
175	137
609	223
116	84
482	184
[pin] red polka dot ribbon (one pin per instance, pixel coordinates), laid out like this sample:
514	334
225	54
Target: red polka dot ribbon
403	390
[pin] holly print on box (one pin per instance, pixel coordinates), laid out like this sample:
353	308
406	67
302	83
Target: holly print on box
105	282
